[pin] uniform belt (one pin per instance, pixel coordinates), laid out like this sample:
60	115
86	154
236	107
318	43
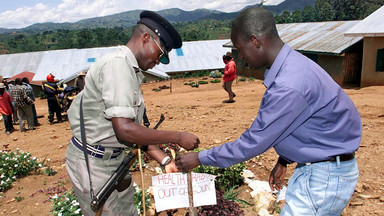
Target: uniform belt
344	157
95	150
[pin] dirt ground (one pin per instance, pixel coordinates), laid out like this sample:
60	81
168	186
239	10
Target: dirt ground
199	111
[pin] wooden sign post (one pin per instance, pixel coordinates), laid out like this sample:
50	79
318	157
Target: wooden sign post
192	210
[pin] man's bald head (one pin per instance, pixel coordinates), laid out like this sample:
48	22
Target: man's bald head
256	21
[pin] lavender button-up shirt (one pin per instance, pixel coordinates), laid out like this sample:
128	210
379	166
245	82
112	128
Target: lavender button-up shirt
304	115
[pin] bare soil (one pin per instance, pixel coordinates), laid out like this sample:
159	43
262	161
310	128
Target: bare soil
199	111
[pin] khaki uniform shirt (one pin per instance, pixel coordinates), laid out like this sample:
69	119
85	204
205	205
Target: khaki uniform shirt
112	90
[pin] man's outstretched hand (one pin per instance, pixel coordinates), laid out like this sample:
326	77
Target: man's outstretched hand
277	176
187	161
188	141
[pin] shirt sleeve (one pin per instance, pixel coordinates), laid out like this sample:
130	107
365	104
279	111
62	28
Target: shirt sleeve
118	81
279	108
25	97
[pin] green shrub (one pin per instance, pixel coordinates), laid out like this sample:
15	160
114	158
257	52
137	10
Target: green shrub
191	74
227	179
137	199
215	74
190	83
201	82
242	79
66	204
14	165
251	79
215	81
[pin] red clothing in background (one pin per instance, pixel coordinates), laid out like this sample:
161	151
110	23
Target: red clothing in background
5	107
229	71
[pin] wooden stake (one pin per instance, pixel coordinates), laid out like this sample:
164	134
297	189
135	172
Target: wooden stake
142	183
192	210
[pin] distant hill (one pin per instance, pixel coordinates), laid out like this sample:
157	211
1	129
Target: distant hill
130	18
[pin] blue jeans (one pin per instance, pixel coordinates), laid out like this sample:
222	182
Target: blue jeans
321	188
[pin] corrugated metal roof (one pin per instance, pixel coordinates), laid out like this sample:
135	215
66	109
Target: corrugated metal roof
13	64
372	25
197	55
317	37
63	63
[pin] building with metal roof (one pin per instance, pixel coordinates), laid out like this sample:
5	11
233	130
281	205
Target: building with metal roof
371	26
195	56
372	29
323	42
65	64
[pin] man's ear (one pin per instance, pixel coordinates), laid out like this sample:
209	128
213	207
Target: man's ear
255	41
146	37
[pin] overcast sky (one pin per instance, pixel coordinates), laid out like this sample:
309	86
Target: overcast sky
22	13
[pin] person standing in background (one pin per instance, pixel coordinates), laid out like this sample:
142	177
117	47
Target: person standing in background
229	76
8	88
29	91
80	81
52	90
23	104
6	109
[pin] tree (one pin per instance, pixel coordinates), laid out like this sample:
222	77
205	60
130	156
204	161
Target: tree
285	17
84	38
308	14
296	16
324	11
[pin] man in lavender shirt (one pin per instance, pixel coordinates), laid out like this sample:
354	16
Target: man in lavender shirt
304	115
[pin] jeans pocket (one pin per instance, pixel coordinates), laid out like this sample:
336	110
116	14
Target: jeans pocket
345	189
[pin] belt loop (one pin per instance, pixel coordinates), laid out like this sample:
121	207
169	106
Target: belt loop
107	153
338	161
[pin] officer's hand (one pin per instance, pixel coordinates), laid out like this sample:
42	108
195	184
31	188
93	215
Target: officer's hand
188	141
277	176
171	167
187	161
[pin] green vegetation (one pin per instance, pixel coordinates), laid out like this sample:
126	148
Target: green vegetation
227	178
202	82
66	204
137	199
117	29
14	165
19	198
331	10
215	74
215	81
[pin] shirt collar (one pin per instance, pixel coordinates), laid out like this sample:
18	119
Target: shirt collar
270	74
129	55
132	59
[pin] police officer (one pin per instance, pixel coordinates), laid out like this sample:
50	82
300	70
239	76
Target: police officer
113	110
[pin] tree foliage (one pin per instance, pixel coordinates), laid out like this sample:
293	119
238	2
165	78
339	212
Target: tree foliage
332	10
205	29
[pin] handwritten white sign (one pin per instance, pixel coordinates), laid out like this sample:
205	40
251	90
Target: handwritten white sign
171	190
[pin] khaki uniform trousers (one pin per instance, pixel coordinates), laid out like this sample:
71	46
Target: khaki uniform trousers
119	203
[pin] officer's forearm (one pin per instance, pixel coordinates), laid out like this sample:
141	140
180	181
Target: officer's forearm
127	131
